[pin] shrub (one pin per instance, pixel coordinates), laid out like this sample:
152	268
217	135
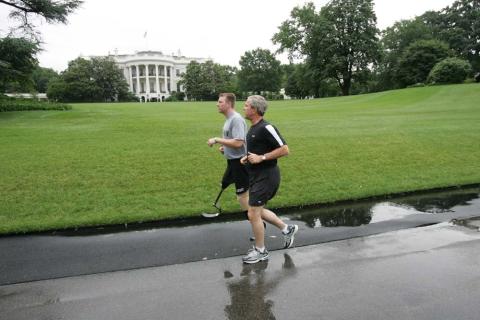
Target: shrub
450	70
15	104
418	59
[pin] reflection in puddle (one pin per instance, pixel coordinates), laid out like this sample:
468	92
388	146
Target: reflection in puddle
248	294
391	211
352	215
471	223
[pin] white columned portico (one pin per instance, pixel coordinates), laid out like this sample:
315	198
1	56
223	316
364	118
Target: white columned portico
138	78
157	82
148	84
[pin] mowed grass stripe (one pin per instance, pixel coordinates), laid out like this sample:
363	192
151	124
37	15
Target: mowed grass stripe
123	163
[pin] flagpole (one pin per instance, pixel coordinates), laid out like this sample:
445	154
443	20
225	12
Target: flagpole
146	40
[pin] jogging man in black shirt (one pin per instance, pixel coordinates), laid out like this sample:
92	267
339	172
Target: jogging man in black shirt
264	146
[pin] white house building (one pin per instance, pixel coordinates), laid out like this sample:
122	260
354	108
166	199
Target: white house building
151	75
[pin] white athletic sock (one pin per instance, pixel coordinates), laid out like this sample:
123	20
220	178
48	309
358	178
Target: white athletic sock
285	230
261	250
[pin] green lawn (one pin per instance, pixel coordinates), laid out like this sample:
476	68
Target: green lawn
118	163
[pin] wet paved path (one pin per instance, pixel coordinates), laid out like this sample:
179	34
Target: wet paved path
427	273
38	257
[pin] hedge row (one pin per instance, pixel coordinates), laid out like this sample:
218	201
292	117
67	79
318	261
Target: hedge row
15	104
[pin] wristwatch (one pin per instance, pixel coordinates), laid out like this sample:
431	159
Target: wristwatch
264	158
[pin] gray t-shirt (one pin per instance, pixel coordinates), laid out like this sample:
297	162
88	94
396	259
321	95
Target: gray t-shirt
235	127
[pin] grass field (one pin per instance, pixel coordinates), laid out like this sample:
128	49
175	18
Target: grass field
122	163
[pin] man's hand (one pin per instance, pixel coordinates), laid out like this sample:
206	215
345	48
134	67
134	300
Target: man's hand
244	160
221	149
254	158
212	141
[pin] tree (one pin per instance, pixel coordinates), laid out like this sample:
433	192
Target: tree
18	54
109	79
460	28
17	61
41	78
394	41
419	58
339	42
299	81
260	71
204	81
95	80
52	11
77	83
290	82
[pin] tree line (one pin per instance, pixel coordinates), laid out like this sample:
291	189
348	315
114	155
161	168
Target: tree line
339	50
335	50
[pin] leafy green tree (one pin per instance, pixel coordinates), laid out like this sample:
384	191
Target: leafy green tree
77	82
394	41
419	58
57	90
204	81
17	61
290	82
109	78
42	77
259	71
192	81
18	54
460	28
339	42
52	11
300	81
450	70
95	80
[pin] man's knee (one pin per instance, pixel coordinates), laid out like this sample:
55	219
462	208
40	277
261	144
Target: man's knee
255	213
243	200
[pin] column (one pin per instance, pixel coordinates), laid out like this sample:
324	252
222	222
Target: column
165	77
138	79
131	78
172	70
147	80
157	81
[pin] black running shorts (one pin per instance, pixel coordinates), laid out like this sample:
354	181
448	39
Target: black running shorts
235	173
263	185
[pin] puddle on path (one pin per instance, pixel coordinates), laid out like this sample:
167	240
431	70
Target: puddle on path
346	214
368	212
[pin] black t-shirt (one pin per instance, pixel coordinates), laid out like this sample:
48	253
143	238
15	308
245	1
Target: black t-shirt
263	138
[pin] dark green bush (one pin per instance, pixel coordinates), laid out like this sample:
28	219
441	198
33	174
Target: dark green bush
17	104
450	70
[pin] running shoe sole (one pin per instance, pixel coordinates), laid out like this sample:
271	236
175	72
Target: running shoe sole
258	260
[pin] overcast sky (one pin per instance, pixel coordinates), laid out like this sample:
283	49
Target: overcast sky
219	29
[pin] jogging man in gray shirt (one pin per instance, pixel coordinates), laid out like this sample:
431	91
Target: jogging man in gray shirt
233	147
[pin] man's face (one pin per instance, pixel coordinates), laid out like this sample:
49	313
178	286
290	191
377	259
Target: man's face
222	105
248	110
